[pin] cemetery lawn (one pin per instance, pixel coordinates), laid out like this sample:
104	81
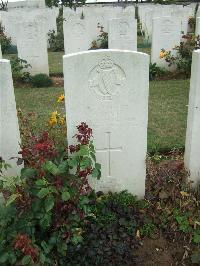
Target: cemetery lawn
55	62
167	111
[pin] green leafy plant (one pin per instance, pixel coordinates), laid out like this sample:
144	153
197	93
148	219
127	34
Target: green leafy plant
4	40
56	40
155	71
110	236
102	40
41	80
20	69
181	56
45	209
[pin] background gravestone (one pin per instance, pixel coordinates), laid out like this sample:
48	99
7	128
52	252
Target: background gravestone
11	19
197	32
0	52
32	46
166	35
9	129
108	89
76	37
192	144
94	19
122	34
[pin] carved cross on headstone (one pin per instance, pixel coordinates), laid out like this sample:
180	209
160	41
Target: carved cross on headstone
110	150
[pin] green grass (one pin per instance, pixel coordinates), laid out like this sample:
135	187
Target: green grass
167	111
167	114
55	62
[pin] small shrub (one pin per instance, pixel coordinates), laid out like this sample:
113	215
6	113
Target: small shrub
19	67
56	41
102	40
181	56
110	236
41	80
45	209
4	40
155	71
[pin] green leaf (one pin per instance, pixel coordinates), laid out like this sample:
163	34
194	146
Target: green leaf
51	168
84	150
49	203
77	239
63	167
98	166
12	198
26	260
196	238
45	247
85	163
65	195
43	193
96	173
41	182
4	257
93	156
72	162
28	172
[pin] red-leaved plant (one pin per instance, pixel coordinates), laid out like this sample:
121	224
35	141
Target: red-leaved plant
46	207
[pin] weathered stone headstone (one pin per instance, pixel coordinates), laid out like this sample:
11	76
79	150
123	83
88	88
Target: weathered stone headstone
11	19
9	129
108	89
166	35
32	46
76	37
122	34
192	144
93	19
197	31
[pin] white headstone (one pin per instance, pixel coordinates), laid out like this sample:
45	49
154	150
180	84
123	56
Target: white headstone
197	31
0	52
76	37
11	19
108	89
9	129
32	46
166	35
93	19
122	34
192	144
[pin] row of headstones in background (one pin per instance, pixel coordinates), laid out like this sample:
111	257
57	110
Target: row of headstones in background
9	128
166	35
148	12
111	96
26	4
83	26
29	28
14	17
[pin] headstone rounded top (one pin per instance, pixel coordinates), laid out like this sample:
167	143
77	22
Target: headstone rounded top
4	61
107	51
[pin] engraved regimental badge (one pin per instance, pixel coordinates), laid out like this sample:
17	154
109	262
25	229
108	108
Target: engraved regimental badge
106	79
